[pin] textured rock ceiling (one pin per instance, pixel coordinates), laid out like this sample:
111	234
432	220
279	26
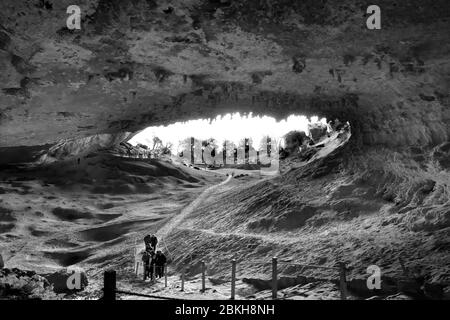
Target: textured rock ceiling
137	63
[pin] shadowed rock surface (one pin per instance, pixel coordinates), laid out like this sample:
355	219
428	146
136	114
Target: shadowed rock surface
136	63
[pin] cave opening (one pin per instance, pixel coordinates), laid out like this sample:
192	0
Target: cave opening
236	139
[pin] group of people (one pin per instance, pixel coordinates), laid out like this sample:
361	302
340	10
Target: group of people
154	260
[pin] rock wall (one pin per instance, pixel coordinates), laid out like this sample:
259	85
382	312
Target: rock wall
136	63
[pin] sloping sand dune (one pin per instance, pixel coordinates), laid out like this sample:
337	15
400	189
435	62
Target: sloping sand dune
90	213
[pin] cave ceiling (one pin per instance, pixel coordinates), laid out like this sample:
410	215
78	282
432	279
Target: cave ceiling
136	63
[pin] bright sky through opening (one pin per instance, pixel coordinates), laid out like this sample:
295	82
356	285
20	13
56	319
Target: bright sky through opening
233	127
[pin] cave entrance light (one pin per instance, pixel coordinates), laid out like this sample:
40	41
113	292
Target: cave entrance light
226	139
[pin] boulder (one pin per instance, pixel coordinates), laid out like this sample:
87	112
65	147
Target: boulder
317	131
68	280
16	284
359	287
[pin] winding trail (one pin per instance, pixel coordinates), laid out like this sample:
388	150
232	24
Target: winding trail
176	220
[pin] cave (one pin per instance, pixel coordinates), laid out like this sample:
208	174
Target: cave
374	191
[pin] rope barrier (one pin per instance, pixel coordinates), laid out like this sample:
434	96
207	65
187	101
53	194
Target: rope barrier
110	279
254	262
309	265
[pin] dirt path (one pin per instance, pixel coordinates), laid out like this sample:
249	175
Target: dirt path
176	220
272	238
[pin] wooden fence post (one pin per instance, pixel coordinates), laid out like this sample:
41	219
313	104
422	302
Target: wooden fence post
182	280
203	276
165	275
233	278
109	285
343	280
274	278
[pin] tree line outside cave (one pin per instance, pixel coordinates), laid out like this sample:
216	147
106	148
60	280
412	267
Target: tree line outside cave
206	152
211	153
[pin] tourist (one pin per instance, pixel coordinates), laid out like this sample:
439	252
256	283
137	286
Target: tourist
160	261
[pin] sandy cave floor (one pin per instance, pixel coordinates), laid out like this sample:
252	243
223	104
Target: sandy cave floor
96	216
48	223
